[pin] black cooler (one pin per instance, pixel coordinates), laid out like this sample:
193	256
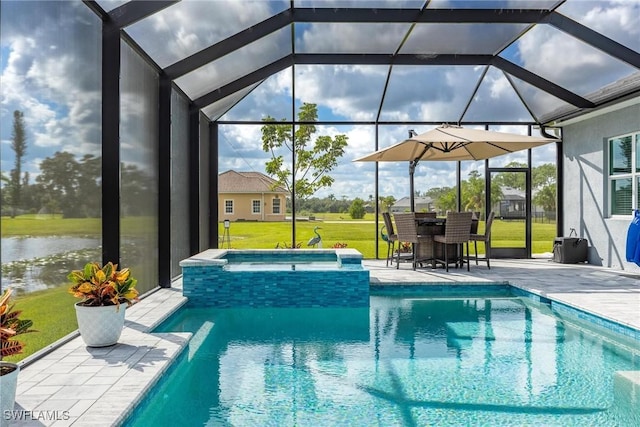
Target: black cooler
570	250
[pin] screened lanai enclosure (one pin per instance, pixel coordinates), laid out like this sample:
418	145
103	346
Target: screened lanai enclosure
131	110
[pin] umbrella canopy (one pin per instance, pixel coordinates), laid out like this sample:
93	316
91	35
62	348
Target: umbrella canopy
453	143
448	142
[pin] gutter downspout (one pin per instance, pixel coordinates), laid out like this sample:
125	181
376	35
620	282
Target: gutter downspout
559	181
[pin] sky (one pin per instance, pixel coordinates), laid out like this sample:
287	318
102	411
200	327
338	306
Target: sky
48	61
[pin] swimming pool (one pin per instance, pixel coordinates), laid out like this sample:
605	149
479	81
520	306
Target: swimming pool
405	360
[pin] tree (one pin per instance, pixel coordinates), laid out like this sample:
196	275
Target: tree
59	180
69	186
356	210
444	198
386	202
313	161
544	184
19	147
472	192
546	197
89	178
136	185
510	179
543	175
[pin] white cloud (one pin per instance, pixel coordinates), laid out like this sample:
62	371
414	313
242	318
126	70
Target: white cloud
47	78
351	38
190	26
573	64
617	19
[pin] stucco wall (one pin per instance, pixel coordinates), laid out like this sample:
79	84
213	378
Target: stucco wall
586	205
243	204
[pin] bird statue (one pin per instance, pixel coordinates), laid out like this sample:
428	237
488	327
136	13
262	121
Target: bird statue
315	240
383	235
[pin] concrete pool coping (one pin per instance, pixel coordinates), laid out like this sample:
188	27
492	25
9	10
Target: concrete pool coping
216	257
80	386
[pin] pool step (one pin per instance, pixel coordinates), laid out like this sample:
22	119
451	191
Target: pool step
626	397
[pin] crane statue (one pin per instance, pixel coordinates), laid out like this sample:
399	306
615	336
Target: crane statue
383	235
315	240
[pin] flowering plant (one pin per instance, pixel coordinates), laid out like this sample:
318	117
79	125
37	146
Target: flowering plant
100	286
404	247
11	325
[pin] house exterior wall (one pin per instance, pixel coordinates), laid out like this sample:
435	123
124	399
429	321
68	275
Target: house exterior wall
586	203
243	206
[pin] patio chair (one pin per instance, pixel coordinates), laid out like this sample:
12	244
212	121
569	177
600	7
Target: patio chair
456	231
475	220
486	238
391	236
407	230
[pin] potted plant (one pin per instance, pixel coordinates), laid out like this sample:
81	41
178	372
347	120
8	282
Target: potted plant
10	325
103	290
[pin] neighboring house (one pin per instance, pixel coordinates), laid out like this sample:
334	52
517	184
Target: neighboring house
512	205
250	196
423	204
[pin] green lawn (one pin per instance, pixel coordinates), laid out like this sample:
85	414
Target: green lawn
53	316
55	225
360	235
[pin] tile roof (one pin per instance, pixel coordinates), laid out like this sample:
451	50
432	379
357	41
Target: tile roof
247	182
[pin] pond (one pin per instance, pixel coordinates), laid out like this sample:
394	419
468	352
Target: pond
23	248
35	263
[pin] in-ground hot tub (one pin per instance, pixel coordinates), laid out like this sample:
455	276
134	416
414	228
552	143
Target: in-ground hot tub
276	278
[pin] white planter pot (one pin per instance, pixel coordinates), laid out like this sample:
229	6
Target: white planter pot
100	326
8	384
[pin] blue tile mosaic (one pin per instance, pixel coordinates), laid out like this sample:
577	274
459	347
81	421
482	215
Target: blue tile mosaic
435	289
591	319
330	285
563	309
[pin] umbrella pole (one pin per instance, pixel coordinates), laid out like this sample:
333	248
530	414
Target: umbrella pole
412	169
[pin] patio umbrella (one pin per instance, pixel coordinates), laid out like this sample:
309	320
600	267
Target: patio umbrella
454	143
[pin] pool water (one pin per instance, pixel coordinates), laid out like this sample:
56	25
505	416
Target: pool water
282	265
402	361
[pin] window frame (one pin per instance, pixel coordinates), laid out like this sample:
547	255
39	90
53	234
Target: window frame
230	202
254	203
633	175
274	205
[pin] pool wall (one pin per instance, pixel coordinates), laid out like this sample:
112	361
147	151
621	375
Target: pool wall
206	282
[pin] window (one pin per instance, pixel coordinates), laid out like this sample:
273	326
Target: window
255	206
276	205
624	174
228	206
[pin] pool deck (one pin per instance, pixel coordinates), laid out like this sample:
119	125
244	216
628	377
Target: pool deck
81	386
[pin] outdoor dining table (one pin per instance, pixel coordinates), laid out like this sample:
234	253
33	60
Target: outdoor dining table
428	250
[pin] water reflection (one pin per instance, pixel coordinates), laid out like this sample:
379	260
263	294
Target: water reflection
22	248
37	263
